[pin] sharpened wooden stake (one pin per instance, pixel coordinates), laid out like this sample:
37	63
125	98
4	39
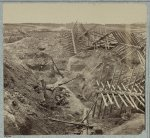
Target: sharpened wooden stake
139	88
140	101
102	85
116	100
105	103
110	100
124	87
123	100
138	98
109	86
129	101
126	96
133	102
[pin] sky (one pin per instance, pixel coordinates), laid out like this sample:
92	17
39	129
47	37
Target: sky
109	13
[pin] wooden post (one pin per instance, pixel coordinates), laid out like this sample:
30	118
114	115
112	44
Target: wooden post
94	107
105	107
73	42
100	106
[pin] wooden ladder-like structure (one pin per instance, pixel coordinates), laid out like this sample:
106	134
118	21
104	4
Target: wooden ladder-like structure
115	95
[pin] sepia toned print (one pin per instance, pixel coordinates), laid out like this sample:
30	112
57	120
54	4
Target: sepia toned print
74	72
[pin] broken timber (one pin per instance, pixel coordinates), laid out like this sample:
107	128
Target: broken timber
67	122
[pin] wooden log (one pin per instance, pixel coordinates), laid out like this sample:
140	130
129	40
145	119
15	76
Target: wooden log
67	81
67	122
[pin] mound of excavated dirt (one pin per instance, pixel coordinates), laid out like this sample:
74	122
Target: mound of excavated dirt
133	126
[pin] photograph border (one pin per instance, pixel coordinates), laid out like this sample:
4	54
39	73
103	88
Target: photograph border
144	134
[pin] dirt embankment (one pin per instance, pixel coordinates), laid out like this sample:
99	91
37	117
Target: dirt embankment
24	114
